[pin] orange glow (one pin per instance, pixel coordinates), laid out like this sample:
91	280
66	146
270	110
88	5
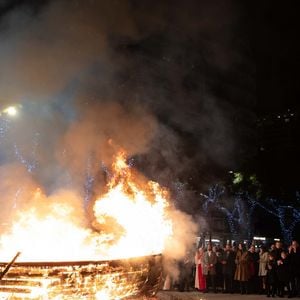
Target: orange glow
131	220
141	213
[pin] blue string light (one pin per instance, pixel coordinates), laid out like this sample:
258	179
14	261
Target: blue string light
244	205
287	215
4	126
89	181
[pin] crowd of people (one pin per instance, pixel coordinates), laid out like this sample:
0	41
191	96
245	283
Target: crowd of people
273	271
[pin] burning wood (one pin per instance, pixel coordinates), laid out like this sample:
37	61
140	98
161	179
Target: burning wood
6	269
131	221
114	279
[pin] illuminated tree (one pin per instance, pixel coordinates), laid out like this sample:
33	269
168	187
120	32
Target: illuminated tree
288	216
237	209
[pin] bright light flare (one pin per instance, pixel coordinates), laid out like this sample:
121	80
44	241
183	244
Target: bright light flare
10	111
131	220
139	208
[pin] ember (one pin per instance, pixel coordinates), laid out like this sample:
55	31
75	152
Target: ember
114	279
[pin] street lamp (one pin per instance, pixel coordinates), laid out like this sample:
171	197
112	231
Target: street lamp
10	111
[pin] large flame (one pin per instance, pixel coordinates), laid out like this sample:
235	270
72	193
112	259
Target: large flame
130	219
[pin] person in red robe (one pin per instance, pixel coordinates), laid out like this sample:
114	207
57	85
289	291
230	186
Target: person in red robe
200	283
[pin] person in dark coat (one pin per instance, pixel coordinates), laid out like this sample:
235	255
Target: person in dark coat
294	253
283	274
253	270
271	283
277	251
219	274
228	268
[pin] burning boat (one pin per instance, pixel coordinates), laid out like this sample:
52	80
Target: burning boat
119	257
103	280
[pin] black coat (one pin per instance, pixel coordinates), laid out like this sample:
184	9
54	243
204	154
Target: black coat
272	272
295	262
277	253
253	263
228	263
283	270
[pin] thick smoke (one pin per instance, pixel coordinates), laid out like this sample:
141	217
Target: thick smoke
42	53
93	76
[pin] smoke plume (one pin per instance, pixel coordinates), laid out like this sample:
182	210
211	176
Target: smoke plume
92	77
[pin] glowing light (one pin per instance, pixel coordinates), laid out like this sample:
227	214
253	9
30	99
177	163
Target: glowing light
259	238
133	203
238	178
11	111
213	240
239	216
131	220
130	217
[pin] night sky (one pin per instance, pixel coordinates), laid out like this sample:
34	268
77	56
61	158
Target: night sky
276	53
194	89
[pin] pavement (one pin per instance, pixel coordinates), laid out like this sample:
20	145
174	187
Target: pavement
174	295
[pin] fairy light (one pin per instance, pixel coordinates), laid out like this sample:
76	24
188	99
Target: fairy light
7	114
244	206
281	212
235	217
4	126
89	181
29	166
239	216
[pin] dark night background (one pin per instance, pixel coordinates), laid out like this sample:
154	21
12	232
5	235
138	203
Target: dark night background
242	58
